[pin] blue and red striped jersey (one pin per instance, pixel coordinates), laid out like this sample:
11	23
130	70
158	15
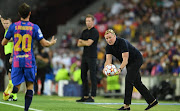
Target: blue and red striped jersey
24	33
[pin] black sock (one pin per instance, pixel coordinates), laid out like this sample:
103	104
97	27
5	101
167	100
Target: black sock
15	89
28	99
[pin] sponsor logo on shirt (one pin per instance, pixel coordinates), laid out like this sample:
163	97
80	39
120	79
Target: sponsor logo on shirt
22	56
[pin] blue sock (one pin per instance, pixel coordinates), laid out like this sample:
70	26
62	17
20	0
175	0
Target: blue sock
28	99
15	89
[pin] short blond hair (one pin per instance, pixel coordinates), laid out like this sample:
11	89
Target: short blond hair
109	31
90	16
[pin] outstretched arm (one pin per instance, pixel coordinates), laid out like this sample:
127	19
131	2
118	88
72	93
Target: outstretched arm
46	43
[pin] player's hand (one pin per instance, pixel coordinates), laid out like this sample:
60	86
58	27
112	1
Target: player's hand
119	71
53	41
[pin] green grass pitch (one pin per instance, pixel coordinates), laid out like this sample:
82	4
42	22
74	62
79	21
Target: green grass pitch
55	103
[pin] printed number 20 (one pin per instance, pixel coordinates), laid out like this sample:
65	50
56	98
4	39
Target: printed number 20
22	39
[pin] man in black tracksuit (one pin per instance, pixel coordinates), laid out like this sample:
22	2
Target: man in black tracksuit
88	40
130	57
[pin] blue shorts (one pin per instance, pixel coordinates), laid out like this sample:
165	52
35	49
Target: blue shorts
22	74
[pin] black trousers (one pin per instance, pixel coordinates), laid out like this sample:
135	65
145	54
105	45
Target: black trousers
7	63
133	78
41	72
88	64
2	73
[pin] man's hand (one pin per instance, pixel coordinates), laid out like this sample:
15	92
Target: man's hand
53	41
119	71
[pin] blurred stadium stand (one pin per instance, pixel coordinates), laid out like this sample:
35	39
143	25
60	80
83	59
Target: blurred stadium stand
48	14
73	23
152	26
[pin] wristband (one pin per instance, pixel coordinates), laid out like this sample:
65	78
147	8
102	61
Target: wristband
120	69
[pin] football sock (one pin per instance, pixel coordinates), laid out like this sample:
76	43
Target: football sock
28	99
15	89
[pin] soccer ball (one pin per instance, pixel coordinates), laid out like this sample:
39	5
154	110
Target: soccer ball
110	70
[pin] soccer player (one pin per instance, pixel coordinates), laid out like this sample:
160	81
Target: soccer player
6	22
23	65
130	57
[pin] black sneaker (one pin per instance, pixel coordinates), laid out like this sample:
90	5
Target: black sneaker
154	103
122	108
90	99
81	100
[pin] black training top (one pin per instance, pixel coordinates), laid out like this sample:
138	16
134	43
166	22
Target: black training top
120	46
90	51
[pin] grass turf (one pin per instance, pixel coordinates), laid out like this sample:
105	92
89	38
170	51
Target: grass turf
55	103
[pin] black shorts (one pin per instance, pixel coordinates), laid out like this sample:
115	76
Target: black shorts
7	64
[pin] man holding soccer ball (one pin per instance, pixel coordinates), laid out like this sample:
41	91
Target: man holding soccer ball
130	57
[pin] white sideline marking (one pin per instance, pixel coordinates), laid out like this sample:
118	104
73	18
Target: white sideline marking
131	103
19	106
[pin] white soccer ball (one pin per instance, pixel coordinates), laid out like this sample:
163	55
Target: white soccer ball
110	70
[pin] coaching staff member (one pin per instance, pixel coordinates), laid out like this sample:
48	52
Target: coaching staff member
88	40
130	57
